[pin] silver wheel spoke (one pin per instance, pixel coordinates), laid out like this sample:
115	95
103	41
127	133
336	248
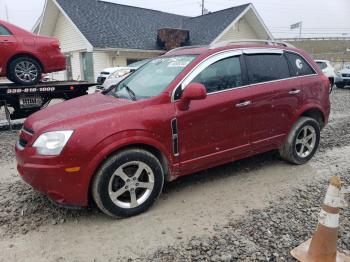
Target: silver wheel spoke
115	195
139	170
298	141
147	185
122	175
133	199
308	146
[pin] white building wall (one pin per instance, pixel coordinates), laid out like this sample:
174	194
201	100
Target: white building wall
69	37
241	30
101	61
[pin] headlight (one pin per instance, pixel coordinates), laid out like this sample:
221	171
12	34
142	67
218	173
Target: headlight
118	74
52	143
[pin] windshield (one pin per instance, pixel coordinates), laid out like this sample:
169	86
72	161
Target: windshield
139	63
152	79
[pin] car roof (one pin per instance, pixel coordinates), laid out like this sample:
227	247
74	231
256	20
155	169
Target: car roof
203	50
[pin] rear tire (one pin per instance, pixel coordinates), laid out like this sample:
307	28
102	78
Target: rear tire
24	71
128	183
302	141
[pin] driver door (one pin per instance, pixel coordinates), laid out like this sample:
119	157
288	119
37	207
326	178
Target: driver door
215	130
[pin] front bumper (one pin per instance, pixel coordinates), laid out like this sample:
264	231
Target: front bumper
48	175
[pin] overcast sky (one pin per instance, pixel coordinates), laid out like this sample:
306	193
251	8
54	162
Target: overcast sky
320	17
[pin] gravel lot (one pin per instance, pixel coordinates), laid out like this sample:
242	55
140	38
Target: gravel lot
255	209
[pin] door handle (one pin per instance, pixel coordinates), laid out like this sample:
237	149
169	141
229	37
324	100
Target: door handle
244	104
294	92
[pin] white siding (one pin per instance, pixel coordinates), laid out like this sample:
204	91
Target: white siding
69	37
101	61
241	30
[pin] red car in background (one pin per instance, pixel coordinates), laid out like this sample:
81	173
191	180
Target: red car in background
25	56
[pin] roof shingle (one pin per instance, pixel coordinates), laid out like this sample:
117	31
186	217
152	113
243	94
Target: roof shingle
110	25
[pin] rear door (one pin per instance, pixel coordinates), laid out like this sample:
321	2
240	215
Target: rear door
276	96
8	45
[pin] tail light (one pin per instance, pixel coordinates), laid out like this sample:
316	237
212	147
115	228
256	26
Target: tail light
55	44
326	83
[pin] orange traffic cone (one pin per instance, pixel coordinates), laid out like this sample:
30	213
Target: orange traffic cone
323	246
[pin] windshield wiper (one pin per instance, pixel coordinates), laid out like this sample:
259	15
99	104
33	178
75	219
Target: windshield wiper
130	92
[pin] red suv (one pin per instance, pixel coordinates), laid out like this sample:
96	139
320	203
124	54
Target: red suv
25	56
189	110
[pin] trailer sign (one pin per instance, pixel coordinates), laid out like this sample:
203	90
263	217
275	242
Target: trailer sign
30	90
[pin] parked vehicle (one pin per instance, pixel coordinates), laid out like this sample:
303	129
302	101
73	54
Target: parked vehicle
25	56
327	69
189	110
112	76
345	77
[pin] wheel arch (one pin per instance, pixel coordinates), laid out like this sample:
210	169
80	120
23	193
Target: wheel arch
140	144
315	113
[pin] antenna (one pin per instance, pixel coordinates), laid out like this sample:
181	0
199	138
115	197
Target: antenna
203	8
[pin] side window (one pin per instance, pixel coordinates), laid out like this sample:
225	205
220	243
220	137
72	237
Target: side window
221	75
266	67
298	65
4	31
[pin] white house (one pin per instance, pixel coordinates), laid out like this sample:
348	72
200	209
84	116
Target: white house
96	34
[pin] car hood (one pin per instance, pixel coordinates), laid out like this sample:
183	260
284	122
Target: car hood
76	111
345	71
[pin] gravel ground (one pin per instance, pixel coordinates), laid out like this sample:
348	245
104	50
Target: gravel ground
265	234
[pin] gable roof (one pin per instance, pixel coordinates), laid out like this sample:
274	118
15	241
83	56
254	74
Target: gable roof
110	25
205	28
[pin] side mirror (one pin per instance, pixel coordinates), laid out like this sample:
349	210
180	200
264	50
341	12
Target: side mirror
194	91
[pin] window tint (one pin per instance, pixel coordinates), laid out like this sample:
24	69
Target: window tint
221	75
4	31
298	64
322	65
266	67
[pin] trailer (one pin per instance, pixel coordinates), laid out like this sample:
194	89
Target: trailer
26	100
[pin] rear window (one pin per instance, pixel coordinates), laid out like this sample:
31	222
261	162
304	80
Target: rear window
299	65
266	67
4	31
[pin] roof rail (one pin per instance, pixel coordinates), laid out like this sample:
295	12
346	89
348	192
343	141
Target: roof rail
185	47
251	41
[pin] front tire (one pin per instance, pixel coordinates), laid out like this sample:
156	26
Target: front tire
128	183
340	85
24	71
302	141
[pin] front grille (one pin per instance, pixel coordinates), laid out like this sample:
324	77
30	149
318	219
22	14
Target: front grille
346	75
101	80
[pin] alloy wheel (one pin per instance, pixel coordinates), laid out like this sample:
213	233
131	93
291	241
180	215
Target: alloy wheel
26	71
305	141
131	184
